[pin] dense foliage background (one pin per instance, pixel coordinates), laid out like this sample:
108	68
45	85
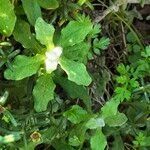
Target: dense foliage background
74	74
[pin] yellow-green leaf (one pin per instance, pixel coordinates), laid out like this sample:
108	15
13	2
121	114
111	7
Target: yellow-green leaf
23	67
7	17
98	141
44	33
76	71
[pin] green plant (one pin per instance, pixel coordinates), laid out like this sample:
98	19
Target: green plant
56	91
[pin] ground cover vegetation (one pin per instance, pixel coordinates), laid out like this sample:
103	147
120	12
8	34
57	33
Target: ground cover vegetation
74	74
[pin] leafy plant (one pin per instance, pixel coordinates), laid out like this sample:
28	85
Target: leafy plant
57	87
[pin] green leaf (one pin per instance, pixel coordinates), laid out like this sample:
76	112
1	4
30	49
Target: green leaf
77	134
118	143
95	123
75	32
98	141
23	67
48	4
142	140
131	38
74	91
76	114
122	93
102	43
110	108
76	71
44	33
116	120
32	10
43	92
62	145
122	79
7	17
77	52
146	53
95	31
23	35
122	69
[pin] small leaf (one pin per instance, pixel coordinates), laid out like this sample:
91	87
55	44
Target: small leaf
76	114
131	38
48	4
122	69
23	67
122	93
23	35
44	33
43	92
116	120
122	79
76	71
32	10
7	17
98	141
102	43
75	32
95	123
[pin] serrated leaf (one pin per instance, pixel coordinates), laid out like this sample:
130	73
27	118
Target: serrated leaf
116	120
98	141
48	4
95	31
95	123
122	69
43	92
76	114
102	43
76	71
75	32
44	33
122	93
7	17
23	67
32	10
23	35
122	79
77	52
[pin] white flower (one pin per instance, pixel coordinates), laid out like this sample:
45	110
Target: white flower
52	58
